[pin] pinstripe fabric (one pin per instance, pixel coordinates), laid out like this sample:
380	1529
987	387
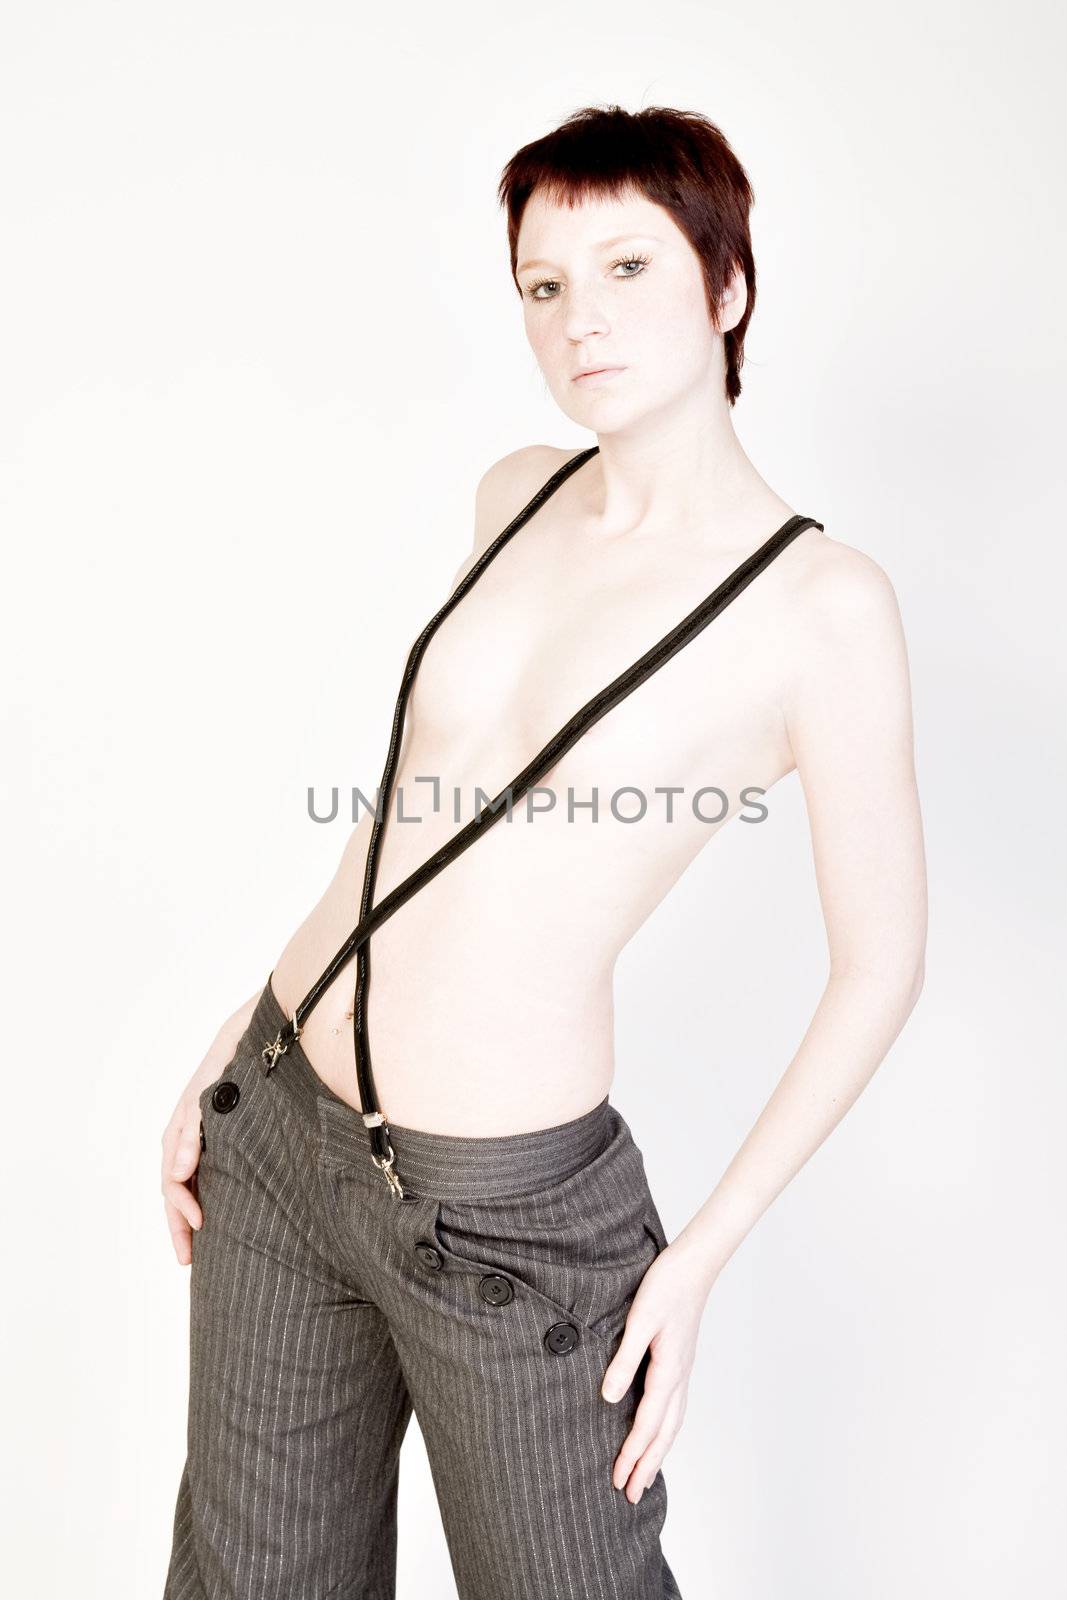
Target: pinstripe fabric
318	1320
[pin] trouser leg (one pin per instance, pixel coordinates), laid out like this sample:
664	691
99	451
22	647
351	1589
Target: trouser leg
507	1294
297	1403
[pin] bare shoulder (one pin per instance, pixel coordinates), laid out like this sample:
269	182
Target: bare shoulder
506	486
842	641
835	587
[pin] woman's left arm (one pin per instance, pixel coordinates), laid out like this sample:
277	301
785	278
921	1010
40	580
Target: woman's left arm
847	711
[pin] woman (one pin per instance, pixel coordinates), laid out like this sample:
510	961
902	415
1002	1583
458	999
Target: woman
478	1241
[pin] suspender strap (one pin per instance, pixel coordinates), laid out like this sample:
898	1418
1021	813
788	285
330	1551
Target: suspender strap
550	753
381	1149
357	940
531	774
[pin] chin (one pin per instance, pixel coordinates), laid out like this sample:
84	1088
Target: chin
606	420
601	413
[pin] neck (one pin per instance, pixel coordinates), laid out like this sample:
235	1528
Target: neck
675	471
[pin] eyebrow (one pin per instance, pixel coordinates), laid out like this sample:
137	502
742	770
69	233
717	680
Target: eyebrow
604	244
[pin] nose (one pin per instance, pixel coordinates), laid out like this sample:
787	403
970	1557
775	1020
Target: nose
584	315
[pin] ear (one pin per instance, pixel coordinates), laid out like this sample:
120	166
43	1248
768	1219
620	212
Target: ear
733	303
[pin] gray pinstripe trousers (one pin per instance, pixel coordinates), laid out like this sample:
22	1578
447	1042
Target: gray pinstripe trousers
323	1310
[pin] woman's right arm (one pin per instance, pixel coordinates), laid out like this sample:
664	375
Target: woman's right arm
181	1136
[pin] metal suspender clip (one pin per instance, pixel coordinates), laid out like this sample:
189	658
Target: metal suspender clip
277	1047
374	1119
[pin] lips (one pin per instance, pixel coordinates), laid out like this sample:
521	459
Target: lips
596	372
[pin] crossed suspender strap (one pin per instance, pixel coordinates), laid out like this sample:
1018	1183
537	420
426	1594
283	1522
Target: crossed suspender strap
531	774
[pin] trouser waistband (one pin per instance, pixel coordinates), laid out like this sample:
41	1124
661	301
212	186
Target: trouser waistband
449	1166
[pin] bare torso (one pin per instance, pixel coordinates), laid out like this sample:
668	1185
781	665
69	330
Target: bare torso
489	1007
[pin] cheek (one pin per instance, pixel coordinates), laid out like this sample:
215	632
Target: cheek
676	339
540	338
672	352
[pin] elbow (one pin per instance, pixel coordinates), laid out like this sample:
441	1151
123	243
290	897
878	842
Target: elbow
899	983
906	985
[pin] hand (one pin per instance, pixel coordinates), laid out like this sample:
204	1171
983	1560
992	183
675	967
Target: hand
665	1316
181	1152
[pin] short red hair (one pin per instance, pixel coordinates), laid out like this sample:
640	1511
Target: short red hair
679	160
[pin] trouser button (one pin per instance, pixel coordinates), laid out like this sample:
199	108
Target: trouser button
225	1096
561	1338
495	1288
428	1255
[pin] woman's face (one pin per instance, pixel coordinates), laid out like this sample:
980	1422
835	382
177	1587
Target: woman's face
615	284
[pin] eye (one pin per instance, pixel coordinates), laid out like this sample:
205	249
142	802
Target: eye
533	291
632	261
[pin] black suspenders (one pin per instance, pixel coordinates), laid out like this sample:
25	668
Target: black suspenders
357	942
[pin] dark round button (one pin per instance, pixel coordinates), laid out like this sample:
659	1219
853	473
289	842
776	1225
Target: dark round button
225	1096
561	1338
495	1288
428	1255
203	1138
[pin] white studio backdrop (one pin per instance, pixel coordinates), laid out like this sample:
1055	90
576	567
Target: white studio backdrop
259	343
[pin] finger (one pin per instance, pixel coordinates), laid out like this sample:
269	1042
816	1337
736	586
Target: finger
180	1233
651	1458
661	1389
648	1419
624	1364
182	1198
184	1202
186	1156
